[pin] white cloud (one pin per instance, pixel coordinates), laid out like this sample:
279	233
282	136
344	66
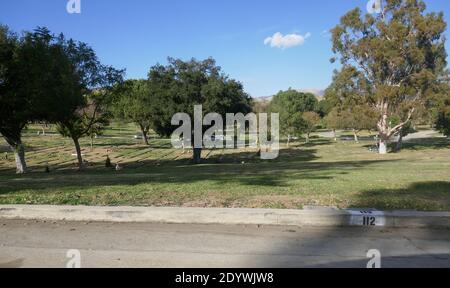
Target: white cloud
281	41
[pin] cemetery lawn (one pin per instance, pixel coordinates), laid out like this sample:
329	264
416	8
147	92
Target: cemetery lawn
343	174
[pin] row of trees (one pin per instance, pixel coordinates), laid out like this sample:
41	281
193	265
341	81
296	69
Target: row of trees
51	79
393	70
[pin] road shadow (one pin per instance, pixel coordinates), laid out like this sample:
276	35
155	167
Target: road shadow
348	247
395	262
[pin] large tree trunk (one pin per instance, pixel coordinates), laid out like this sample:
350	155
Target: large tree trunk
384	131
383	149
355	135
19	153
197	157
15	142
144	132
78	150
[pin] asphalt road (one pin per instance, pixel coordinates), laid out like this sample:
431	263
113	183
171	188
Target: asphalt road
40	244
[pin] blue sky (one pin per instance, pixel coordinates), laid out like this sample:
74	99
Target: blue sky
136	34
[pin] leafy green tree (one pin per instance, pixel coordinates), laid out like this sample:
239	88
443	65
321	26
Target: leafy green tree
100	114
90	119
12	123
96	82
324	107
312	120
358	118
290	105
178	86
344	94
405	131
293	101
333	121
35	76
397	57
294	126
443	119
439	105
132	103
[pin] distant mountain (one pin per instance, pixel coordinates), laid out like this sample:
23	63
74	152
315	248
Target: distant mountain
264	98
317	92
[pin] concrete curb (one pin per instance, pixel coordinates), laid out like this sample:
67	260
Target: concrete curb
307	217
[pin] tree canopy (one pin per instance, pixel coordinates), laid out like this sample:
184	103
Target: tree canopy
394	59
97	82
291	105
179	85
37	83
132	102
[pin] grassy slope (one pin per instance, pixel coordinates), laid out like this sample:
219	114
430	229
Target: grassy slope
341	174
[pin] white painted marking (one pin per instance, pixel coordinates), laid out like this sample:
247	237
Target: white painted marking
369	218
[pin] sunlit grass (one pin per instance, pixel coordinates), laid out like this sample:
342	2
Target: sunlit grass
343	174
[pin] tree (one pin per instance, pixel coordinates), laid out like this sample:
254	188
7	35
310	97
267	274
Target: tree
132	102
44	126
178	86
440	104
91	117
34	74
95	86
85	121
333	121
397	56
294	126
100	114
358	118
290	105
312	119
344	94
324	107
443	119
12	123
293	101
405	131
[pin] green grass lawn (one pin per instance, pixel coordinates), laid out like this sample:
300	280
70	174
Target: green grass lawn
343	174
